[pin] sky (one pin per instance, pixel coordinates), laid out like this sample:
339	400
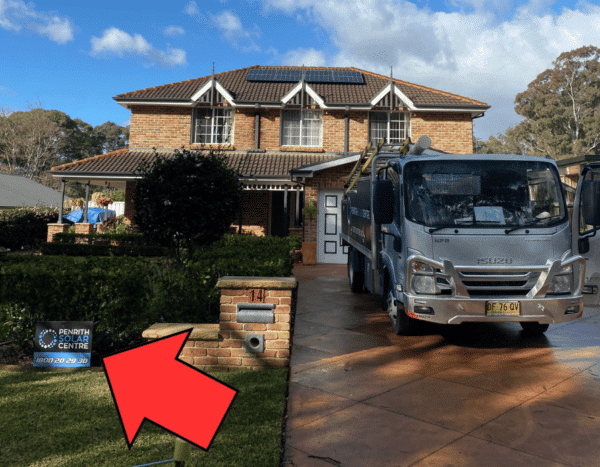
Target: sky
75	56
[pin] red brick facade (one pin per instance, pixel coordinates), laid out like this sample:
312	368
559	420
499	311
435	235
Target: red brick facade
170	127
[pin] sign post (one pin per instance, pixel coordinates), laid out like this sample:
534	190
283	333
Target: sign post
62	344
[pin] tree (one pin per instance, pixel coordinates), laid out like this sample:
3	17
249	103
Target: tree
561	106
504	143
186	201
113	136
28	142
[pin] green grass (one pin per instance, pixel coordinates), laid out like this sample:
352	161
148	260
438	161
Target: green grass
69	419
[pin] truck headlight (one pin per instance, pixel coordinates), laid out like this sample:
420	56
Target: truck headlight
562	283
424	285
422	268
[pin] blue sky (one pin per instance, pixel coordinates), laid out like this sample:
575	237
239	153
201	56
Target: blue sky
75	56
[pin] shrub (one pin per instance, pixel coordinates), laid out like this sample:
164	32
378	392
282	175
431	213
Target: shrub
25	228
121	296
243	255
186	201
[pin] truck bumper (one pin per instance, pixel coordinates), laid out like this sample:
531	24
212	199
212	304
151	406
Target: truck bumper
449	310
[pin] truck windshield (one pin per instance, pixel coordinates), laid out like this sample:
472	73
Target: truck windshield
510	194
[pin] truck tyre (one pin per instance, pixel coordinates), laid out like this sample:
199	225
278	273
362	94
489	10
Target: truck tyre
355	278
532	328
402	325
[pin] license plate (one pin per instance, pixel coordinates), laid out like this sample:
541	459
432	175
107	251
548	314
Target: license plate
502	308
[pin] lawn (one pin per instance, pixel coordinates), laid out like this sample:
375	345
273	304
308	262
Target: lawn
51	418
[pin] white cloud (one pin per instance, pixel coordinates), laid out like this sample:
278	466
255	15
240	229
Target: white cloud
470	52
16	15
117	42
191	8
234	32
172	31
308	57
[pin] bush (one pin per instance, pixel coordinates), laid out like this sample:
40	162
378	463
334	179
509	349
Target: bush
121	296
243	255
70	249
25	228
187	201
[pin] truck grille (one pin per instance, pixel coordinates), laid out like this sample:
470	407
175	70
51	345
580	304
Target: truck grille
494	283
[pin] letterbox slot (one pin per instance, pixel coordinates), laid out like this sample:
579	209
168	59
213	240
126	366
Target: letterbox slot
255	313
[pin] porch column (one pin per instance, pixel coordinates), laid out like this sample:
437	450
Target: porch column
85	204
297	224
286	220
62	202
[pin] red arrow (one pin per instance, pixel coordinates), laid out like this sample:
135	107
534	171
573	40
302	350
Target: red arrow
149	382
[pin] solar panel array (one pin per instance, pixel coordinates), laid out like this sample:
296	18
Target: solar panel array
310	76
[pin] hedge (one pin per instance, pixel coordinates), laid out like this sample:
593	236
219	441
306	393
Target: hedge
25	228
121	296
125	295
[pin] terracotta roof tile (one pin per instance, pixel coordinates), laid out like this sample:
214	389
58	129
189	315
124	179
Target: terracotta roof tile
235	83
124	162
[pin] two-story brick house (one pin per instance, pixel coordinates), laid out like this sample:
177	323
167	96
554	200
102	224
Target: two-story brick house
272	120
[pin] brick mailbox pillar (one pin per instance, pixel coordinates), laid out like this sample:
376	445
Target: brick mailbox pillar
254	329
255	321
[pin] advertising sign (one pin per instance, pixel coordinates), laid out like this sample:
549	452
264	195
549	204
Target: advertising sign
62	344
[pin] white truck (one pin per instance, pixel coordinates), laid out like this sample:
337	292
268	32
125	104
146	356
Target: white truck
461	238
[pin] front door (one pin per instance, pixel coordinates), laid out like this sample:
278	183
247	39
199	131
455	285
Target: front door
329	249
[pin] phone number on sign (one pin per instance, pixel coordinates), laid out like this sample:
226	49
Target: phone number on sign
59	361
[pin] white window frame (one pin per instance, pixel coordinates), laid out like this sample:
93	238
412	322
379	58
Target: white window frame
219	118
301	131
387	133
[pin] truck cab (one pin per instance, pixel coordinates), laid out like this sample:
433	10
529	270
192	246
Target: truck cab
472	238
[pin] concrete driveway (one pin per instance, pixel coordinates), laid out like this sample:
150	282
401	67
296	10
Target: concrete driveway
470	395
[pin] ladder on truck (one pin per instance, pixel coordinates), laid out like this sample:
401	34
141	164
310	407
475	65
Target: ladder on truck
365	159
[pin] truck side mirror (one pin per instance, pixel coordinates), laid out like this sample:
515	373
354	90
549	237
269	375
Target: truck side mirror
383	202
590	200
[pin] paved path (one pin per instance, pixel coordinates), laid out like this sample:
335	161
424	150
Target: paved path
473	395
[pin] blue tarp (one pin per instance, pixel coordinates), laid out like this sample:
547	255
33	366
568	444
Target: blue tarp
95	215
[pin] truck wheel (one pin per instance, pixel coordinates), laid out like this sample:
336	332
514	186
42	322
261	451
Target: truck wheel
355	278
402	325
532	328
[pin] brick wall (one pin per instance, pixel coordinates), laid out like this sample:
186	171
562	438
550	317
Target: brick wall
170	127
160	126
214	347
449	132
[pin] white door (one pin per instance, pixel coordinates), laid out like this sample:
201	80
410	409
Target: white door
329	249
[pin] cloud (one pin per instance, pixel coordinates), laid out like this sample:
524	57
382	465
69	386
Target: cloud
16	15
308	57
234	32
191	9
117	42
172	31
475	52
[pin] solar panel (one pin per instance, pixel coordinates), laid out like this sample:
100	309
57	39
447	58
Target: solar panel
310	76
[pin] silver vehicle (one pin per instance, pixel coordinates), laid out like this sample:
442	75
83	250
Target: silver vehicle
470	238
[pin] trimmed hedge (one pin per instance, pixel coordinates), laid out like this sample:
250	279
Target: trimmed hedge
122	296
243	255
25	228
125	295
69	249
105	238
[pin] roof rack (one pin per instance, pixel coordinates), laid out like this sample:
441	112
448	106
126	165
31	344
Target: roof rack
363	164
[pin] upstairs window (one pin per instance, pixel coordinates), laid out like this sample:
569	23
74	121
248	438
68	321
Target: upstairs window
302	127
213	126
393	127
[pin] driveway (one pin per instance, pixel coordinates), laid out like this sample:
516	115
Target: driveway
469	395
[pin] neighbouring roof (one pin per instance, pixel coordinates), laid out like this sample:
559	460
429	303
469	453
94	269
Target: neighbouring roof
244	92
16	191
249	164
